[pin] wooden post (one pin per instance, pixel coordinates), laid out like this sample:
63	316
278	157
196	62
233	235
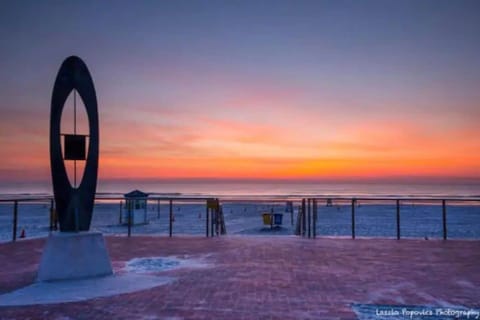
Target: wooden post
398	219
353	218
15	218
170	228
444	219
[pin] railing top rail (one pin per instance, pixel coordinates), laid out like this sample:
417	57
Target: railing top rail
404	198
158	198
292	198
25	199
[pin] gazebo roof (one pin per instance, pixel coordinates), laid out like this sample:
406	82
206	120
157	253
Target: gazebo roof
136	194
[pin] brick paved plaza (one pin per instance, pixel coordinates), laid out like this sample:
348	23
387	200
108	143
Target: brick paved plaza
266	278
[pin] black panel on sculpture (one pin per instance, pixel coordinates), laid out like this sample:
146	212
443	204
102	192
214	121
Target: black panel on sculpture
74	205
74	146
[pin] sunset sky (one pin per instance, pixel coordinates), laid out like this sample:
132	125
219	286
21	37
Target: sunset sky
250	89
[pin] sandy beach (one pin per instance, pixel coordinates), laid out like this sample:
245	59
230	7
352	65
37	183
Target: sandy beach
421	221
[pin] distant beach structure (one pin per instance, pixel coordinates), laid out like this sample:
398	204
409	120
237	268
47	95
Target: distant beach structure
135	207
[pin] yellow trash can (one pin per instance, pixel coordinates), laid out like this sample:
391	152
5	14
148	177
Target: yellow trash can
267	219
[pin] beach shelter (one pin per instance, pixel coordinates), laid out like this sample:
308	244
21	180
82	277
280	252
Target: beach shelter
135	207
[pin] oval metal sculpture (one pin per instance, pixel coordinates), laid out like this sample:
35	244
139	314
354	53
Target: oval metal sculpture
74	205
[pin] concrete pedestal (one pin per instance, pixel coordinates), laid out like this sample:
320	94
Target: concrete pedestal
74	255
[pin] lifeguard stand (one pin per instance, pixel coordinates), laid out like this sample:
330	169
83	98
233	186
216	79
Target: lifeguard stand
135	207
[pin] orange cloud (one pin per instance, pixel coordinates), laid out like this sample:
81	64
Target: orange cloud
171	143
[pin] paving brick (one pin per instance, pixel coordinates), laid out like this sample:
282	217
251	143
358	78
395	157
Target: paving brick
266	278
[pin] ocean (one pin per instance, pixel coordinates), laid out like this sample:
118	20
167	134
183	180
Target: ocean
284	187
411	187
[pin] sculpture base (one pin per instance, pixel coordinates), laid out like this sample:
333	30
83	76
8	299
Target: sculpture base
74	255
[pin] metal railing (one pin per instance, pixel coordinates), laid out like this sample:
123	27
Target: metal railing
18	200
215	224
307	216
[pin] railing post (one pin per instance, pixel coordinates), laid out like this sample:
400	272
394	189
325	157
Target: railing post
304	223
291	214
52	218
353	218
398	219
218	227
120	213
444	219
170	227
15	218
207	220
129	218
217	218
315	218
309	218
298	225
212	222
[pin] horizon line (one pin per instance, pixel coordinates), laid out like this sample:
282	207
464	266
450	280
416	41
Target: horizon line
351	179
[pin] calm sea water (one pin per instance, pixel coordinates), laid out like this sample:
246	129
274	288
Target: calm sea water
295	188
259	188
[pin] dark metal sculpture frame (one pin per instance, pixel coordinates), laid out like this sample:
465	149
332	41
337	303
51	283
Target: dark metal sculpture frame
74	206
